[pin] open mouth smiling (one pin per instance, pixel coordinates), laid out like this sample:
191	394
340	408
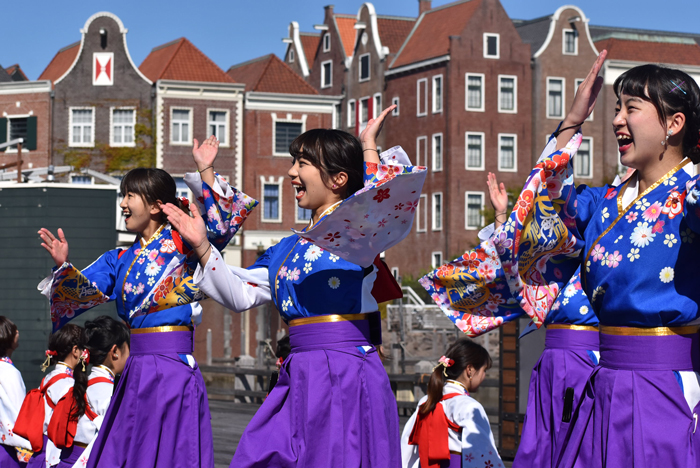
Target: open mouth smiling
624	141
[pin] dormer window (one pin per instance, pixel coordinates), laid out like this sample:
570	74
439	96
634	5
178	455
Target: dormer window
291	55
364	67
491	46
570	42
327	42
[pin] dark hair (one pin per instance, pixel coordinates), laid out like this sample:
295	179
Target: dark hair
463	352
670	91
62	342
8	330
284	347
152	185
100	335
331	152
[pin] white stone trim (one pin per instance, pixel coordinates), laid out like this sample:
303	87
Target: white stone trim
515	152
466	151
279	181
70	128
515	95
467	227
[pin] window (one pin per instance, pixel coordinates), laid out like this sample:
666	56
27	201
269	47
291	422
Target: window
583	161
422	97
326	74
81	179
180	126
18	127
377	106
422	214
364	67
285	133
507	93
507	151
364	111
475	92
271	199
436	259
421	151
491	49
475	151
181	188
218	126
570	42
474	202
437	152
395	274
303	215
338	117
291	55
123	122
577	83
437	212
327	42
351	113
82	127
555	98
437	94
395	102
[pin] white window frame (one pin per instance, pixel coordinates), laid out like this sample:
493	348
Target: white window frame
376	105
227	125
437	168
323	74
498	45
395	273
70	128
291	55
72	176
279	181
515	152
359	68
288	119
422	144
352	113
111	128
422	82
296	215
467	227
423	202
327	42
466	150
435	225
435	264
13	149
190	110
590	160
466	92
563	42
515	94
395	101
563	97
438	104
368	99
577	83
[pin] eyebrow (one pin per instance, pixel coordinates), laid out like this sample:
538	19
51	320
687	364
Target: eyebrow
636	99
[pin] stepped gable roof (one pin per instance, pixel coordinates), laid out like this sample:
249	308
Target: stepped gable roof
682	52
16	73
309	43
346	28
269	74
180	60
393	31
430	37
61	62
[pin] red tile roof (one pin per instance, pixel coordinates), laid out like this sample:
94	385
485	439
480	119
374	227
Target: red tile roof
430	37
651	52
12	69
393	32
309	42
60	63
346	28
180	60
269	74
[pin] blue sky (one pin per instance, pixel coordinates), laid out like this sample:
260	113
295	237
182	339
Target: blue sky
234	31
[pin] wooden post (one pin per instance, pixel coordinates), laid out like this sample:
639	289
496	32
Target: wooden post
19	163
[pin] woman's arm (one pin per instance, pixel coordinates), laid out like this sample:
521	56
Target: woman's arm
204	157
369	135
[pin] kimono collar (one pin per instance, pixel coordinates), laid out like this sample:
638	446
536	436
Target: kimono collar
326	212
154	236
103	371
65	368
7	360
454	383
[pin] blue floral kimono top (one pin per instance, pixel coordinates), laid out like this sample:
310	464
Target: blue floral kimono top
151	281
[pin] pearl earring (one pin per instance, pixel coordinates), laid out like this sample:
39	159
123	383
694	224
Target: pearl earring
665	140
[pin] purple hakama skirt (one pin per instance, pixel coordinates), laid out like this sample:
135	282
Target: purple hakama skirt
565	363
38	459
633	412
159	414
8	457
332	405
70	456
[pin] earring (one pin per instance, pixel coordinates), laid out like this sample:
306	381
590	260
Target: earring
665	140
334	186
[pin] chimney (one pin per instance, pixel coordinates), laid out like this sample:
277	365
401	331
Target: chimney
423	6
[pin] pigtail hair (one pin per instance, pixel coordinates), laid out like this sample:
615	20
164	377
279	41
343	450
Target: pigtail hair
435	385
79	389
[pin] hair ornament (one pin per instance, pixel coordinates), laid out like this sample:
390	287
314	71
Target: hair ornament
185	202
85	357
445	362
47	362
677	86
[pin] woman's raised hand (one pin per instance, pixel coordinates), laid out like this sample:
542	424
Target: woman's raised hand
57	248
499	199
369	135
191	228
205	154
587	93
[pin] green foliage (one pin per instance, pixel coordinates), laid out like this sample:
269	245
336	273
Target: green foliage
416	286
